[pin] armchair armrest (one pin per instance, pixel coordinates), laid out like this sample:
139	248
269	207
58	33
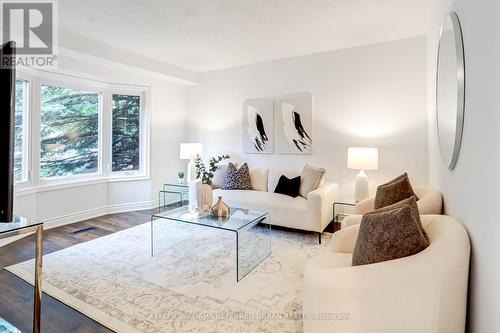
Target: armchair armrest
383	297
365	206
320	205
351	220
344	240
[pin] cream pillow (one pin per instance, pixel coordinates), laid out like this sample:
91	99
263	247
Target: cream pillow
258	178
311	179
219	176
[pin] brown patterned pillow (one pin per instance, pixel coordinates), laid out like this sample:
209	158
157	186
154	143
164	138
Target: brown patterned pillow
414	209
388	235
237	179
394	191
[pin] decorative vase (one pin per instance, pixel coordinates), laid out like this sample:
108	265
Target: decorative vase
221	209
204	197
181	181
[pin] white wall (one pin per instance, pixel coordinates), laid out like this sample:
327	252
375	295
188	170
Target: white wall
472	191
372	95
167	120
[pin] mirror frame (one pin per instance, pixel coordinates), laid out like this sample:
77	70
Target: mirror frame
460	58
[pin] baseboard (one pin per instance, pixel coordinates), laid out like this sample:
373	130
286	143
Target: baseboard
60	221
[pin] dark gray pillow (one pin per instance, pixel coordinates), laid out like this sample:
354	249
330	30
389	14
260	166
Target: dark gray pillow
414	209
237	179
394	191
388	235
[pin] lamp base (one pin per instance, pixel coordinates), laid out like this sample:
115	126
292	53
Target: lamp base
191	171
361	190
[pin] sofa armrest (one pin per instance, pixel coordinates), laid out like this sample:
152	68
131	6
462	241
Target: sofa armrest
343	241
386	297
320	203
365	206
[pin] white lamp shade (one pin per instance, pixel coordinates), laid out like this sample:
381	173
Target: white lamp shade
190	151
362	158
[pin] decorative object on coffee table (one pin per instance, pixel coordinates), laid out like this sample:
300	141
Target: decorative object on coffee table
204	194
362	159
221	209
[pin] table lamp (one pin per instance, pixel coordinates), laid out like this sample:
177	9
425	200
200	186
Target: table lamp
362	159
191	151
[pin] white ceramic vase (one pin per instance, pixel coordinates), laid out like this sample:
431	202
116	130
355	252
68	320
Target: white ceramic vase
204	197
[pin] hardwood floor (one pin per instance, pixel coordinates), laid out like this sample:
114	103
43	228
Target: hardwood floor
16	303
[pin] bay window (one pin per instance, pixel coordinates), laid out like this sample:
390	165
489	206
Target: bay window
78	130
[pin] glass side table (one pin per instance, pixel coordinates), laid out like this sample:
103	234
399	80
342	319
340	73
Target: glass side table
181	190
341	210
22	225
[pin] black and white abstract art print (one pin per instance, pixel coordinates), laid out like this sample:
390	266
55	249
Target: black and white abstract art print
293	118
258	126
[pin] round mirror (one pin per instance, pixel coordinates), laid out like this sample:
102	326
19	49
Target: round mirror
450	91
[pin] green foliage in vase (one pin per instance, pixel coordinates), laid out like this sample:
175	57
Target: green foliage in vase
180	174
205	175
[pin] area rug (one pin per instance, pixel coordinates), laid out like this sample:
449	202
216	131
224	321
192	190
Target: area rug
188	286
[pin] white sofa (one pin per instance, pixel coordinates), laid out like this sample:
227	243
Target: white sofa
311	214
426	292
430	201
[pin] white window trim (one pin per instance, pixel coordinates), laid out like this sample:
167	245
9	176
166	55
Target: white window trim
27	131
34	183
77	85
143	172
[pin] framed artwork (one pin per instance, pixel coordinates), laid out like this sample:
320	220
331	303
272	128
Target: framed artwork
293	121
258	126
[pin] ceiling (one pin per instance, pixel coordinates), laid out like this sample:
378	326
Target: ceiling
203	35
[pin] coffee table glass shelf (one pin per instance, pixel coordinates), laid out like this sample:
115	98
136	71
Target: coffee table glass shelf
253	238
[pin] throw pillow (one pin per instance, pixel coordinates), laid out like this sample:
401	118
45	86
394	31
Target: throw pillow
394	191
288	186
258	178
237	179
388	235
219	176
414	209
311	178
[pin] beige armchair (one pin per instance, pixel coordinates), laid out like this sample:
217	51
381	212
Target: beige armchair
430	201
426	292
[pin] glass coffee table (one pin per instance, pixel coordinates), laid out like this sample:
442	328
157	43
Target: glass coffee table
253	238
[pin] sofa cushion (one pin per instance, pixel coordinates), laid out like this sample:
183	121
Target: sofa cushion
237	179
311	178
388	235
394	191
414	207
258	178
284	210
288	186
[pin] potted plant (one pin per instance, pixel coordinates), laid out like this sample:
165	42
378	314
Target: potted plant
204	196
180	175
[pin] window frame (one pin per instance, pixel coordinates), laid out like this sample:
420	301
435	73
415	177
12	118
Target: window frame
77	84
143	172
27	116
